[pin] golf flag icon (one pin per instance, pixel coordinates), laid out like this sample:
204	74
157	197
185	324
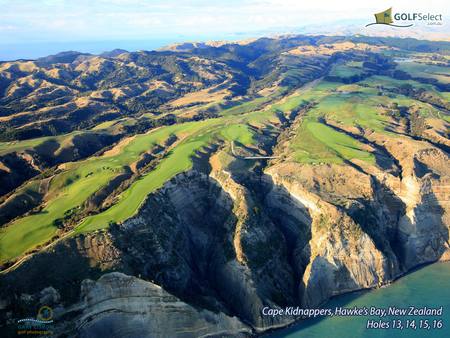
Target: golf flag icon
384	17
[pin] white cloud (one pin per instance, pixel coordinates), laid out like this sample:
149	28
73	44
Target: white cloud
99	19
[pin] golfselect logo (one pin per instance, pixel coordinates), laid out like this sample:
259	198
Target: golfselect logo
403	19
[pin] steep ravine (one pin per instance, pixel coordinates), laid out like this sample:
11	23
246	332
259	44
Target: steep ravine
214	245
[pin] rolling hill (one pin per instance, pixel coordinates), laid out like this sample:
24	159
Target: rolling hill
195	185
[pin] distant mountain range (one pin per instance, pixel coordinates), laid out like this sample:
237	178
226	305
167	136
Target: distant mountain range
183	192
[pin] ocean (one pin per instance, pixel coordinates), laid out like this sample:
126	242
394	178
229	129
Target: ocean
428	286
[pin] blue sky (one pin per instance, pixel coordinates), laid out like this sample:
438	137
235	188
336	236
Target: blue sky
62	20
33	22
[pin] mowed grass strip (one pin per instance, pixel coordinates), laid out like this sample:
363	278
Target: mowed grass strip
360	105
347	70
315	143
72	187
178	161
238	132
11	146
416	69
348	105
318	143
390	83
28	232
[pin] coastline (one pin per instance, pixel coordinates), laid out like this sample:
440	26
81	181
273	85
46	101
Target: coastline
273	331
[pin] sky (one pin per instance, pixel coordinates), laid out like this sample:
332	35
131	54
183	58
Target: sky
30	27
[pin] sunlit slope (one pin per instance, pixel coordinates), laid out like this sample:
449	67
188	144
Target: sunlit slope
79	180
323	118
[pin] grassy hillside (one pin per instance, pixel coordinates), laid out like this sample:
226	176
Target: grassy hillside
123	126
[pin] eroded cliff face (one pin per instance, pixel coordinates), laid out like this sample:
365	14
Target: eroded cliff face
370	225
203	238
118	305
318	170
212	247
339	257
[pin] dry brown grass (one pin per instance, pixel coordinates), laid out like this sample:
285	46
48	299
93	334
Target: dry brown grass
118	147
204	96
330	49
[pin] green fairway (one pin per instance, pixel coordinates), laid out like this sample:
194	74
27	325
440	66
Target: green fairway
72	187
342	145
240	133
105	125
347	105
347	70
390	83
416	69
33	230
351	105
9	147
252	105
69	189
318	143
133	197
179	160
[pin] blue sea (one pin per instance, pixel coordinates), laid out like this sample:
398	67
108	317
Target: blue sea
33	50
428	286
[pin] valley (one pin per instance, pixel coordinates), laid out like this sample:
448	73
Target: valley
219	179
